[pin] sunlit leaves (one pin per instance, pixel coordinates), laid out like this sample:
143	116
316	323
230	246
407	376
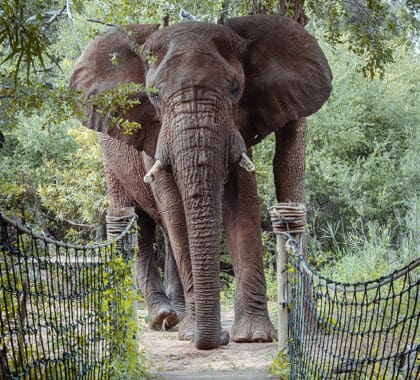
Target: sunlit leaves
24	36
366	28
114	104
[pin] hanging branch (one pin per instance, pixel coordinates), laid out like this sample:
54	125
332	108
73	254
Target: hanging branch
99	22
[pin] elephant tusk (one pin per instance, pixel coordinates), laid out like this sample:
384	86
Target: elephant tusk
246	163
150	175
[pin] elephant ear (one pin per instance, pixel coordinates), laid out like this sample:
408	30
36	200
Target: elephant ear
108	63
287	74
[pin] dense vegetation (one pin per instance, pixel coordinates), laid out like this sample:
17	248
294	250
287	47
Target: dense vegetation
362	176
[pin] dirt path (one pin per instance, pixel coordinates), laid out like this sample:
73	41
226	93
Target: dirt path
169	355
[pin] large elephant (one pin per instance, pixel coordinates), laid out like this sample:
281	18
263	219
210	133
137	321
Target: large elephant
217	91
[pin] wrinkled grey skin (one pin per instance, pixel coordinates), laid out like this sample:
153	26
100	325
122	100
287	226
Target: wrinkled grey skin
219	89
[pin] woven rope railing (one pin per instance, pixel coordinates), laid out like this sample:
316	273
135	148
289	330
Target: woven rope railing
364	330
56	315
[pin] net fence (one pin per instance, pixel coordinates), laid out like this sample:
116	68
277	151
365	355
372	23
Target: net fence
59	312
364	330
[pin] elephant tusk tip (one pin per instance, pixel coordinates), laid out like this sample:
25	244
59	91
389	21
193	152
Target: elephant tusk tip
246	163
148	178
150	175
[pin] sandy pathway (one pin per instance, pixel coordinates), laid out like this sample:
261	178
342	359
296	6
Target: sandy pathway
167	353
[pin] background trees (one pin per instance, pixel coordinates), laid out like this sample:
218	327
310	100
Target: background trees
362	145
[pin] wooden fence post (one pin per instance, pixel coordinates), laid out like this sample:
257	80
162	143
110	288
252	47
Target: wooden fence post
281	292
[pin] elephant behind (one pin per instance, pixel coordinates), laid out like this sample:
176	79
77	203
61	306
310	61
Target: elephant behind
217	90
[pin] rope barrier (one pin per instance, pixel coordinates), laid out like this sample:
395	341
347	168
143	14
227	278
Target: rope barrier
59	309
55	316
336	330
126	227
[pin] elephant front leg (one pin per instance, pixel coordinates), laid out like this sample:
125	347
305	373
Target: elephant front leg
170	206
243	233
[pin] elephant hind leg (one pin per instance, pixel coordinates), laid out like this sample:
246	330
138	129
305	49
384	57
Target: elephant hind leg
172	280
161	313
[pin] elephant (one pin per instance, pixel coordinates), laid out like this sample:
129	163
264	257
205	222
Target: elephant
212	91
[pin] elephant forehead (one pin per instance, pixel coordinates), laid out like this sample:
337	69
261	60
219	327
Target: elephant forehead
190	35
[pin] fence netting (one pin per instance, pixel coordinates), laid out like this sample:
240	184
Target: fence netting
57	310
365	330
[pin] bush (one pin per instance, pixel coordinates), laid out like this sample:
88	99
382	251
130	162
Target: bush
362	147
51	175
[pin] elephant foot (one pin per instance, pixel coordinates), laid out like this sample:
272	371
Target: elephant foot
165	318
254	329
186	329
224	337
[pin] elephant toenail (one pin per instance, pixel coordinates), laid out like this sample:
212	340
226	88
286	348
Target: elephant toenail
259	336
244	337
164	324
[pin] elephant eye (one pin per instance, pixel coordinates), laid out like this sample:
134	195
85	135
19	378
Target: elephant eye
235	89
154	96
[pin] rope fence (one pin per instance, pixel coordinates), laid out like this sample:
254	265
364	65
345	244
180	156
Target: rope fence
59	304
335	330
61	313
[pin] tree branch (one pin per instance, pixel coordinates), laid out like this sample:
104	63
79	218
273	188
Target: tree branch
99	22
55	17
187	15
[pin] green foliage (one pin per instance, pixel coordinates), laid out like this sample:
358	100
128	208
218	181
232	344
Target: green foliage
281	366
370	254
365	28
51	174
362	147
24	32
122	321
228	290
114	104
77	192
362	167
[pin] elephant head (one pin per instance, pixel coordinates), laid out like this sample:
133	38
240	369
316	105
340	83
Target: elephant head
217	90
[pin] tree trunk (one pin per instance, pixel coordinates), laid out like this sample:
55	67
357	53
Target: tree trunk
294	10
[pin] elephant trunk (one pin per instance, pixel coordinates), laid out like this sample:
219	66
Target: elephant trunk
203	223
199	162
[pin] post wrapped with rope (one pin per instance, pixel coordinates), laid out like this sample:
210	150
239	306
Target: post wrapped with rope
60	317
287	219
116	221
364	330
